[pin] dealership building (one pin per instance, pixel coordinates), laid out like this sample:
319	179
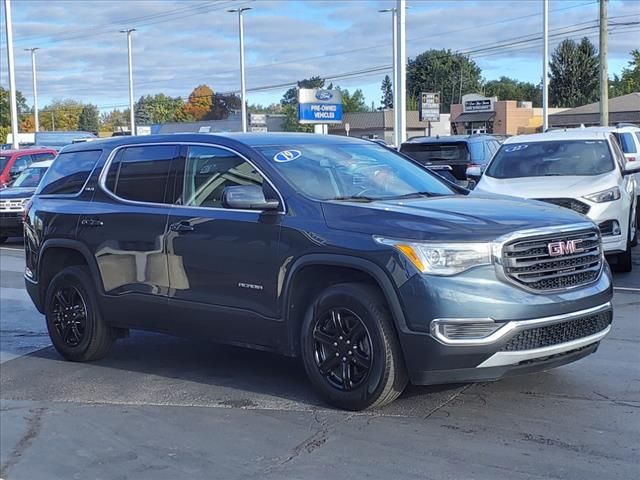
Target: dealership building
480	114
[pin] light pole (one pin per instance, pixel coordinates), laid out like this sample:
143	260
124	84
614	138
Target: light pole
401	61
13	105
545	65
394	85
132	117
35	88
243	93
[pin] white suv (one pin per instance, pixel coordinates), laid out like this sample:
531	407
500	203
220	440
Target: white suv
581	169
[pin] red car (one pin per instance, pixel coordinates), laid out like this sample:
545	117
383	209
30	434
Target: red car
13	162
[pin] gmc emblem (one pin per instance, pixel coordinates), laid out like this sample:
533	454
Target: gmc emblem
564	248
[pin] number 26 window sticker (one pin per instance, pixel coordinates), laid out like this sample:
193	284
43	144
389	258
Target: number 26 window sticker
515	148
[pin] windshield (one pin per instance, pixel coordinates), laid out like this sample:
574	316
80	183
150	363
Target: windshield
428	152
30	177
556	158
341	172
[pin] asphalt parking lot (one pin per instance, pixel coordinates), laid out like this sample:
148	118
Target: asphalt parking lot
161	407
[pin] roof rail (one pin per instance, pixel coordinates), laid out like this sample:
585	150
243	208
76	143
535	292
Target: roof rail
626	124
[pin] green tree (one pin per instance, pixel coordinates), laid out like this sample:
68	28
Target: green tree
222	105
290	97
353	102
445	72
387	92
506	88
573	79
89	120
5	111
629	79
158	108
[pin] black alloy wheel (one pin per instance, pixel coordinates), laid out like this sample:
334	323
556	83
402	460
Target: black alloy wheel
69	315
343	350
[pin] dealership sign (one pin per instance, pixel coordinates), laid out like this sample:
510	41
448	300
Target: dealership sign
429	107
319	106
477	103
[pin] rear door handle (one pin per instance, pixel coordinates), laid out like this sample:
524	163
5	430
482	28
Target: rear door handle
182	226
91	222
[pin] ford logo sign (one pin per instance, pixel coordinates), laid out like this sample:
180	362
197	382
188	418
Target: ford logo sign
287	156
324	95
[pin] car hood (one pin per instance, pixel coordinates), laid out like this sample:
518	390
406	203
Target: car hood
545	187
19	192
450	218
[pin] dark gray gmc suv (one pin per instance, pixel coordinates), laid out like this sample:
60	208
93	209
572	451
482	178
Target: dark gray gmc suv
337	250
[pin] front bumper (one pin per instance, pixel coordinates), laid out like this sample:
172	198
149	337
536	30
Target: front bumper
607	211
478	294
10	224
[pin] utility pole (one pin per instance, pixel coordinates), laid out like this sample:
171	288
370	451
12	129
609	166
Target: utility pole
604	71
394	84
35	89
132	117
13	104
545	65
53	122
401	81
243	88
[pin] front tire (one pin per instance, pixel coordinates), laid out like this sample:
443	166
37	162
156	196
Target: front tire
76	327
350	349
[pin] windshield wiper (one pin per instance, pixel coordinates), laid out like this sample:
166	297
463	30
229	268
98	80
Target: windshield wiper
355	198
412	195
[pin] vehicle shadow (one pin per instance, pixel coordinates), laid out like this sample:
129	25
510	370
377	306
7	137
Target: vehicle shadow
149	368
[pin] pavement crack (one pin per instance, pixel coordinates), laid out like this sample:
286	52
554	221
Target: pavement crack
34	426
448	400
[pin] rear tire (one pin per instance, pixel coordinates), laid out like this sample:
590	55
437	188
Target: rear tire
350	348
76	327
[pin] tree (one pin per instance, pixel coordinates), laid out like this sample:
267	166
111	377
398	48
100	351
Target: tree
199	103
222	105
387	93
445	72
506	88
89	120
5	110
114	121
158	108
65	114
573	79
353	102
629	79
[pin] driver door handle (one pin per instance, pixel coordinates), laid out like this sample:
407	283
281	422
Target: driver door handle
181	226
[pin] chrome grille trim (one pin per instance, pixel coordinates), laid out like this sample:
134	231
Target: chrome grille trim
522	259
13	205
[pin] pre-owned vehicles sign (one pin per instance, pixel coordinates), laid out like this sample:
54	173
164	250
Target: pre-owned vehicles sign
319	106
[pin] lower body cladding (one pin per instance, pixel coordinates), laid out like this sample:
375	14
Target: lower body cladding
482	329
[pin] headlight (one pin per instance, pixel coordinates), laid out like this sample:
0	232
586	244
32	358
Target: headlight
442	258
608	195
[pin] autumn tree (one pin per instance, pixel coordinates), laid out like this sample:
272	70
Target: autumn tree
5	111
63	114
199	103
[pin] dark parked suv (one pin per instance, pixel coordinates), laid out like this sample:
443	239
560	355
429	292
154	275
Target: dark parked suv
330	248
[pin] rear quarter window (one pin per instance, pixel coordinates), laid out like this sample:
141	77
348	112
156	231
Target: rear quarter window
69	172
627	143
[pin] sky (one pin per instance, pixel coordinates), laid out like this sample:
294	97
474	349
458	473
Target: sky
179	44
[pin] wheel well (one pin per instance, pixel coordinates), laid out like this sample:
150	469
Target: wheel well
308	282
53	261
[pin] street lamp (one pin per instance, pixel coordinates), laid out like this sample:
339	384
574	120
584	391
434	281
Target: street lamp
13	104
243	93
394	85
131	112
35	89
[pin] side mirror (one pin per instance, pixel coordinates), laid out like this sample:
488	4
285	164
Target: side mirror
247	197
630	168
474	172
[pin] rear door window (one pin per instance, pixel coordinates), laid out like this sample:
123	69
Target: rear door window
68	174
141	173
627	143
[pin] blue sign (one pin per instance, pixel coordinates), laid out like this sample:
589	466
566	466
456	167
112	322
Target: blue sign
320	112
319	106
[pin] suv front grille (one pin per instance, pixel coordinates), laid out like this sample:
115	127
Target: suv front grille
557	333
570	203
529	263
